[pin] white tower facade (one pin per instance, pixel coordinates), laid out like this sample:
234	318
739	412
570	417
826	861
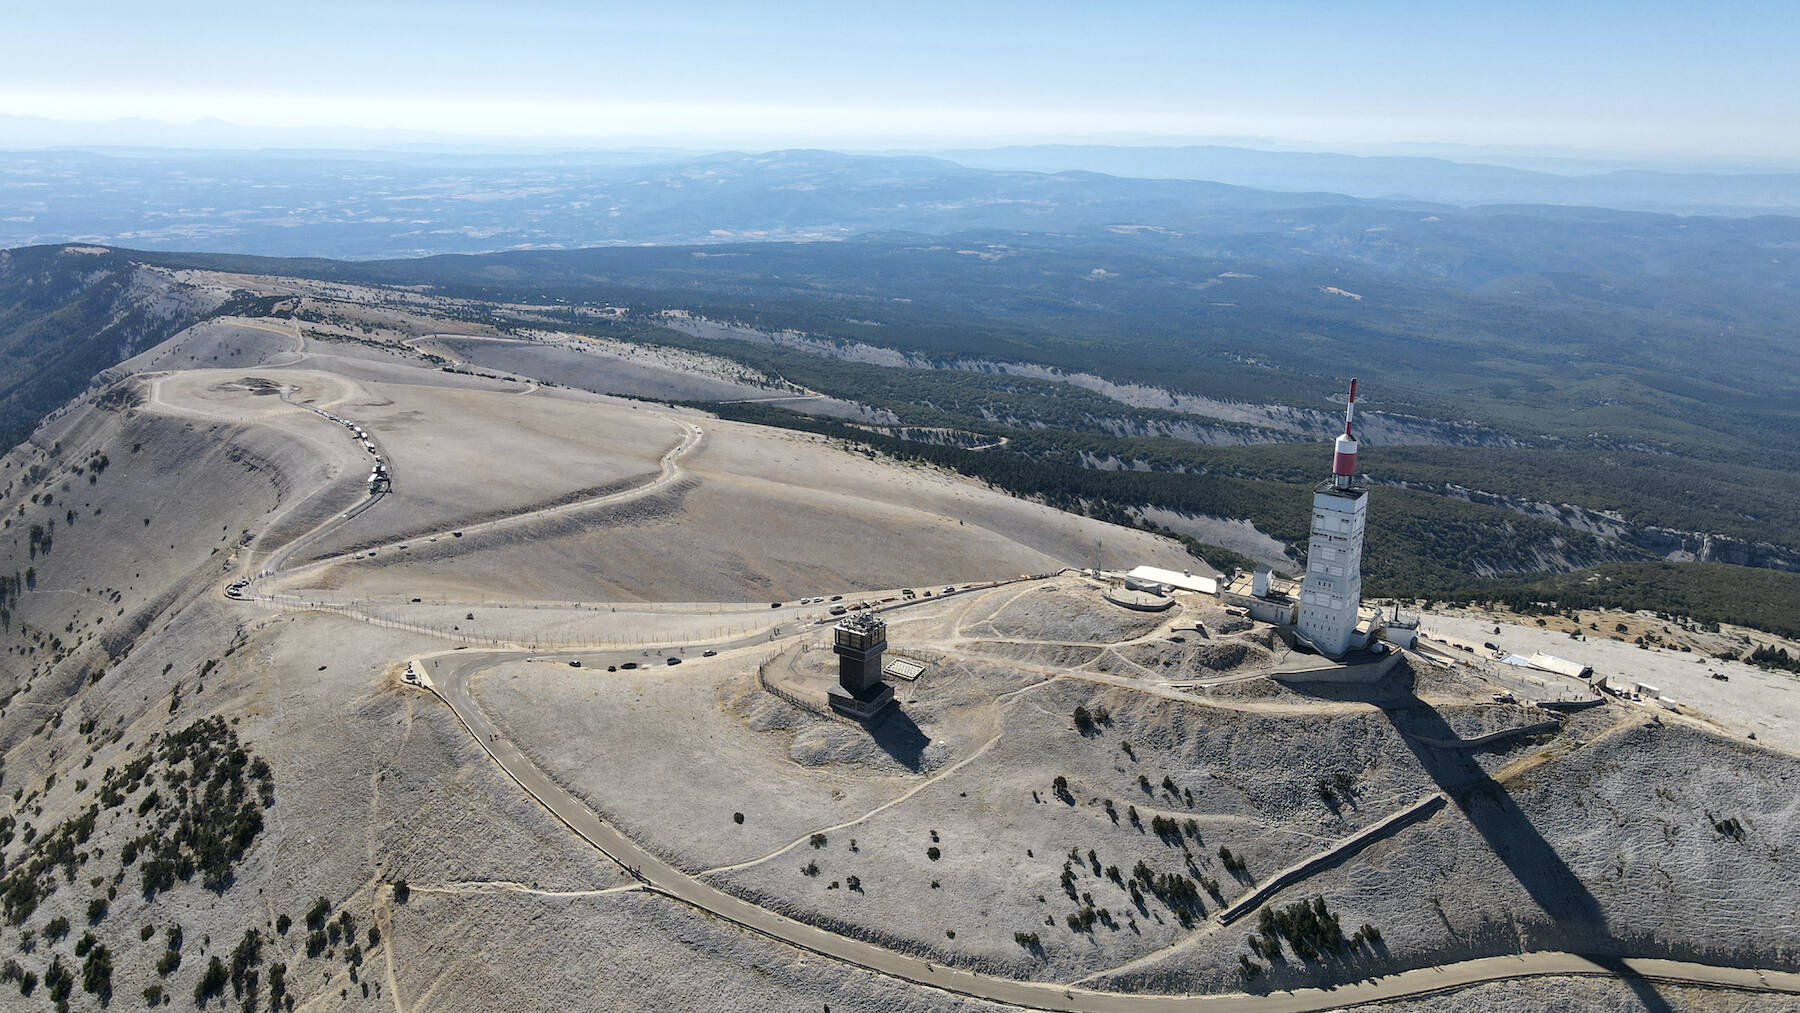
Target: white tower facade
1331	592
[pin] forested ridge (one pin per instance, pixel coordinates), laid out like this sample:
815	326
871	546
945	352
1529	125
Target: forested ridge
64	317
1603	438
1418	543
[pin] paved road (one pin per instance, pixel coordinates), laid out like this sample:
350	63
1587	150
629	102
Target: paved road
450	675
669	473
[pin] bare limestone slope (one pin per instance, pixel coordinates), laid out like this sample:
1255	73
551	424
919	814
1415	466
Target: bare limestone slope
125	517
225	782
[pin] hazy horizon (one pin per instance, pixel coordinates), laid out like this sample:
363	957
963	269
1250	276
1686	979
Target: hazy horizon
1650	83
137	135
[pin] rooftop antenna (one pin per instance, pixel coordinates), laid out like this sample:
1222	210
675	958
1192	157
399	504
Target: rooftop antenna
1343	461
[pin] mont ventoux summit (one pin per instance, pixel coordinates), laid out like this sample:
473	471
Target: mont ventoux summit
571	540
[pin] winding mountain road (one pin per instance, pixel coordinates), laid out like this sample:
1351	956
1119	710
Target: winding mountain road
448	675
669	472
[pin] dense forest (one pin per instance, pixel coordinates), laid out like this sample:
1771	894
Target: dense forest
1707	592
1556	327
65	316
1419	544
1634	396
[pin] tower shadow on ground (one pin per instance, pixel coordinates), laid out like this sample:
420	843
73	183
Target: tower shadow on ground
898	736
1508	832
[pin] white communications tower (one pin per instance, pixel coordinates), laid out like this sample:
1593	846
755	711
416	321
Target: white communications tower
1332	589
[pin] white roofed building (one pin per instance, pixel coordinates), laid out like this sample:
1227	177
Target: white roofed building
1179	580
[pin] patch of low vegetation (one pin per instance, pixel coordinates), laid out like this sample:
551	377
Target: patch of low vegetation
1176	890
190	804
1090	722
214	810
1774	657
1232	863
1309	929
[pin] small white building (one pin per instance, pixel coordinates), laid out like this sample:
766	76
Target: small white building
1181	580
1400	636
1264	596
1560	666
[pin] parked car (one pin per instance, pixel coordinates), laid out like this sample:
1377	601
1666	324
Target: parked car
710	654
575	664
674	661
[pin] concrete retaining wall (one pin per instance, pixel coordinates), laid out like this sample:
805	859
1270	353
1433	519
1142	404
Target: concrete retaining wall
1491	737
1330	671
1571	705
1415	813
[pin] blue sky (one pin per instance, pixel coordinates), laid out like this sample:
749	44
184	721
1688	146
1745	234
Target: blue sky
1717	79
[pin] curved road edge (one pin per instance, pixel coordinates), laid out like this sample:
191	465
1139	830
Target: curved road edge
451	684
669	472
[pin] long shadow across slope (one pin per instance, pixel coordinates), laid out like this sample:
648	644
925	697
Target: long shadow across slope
1509	833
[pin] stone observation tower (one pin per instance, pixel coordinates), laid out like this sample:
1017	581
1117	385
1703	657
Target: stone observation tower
858	641
1332	589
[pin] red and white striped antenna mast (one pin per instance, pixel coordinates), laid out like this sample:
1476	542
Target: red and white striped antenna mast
1343	460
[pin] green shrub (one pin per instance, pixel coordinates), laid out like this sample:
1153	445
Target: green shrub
96	973
212	983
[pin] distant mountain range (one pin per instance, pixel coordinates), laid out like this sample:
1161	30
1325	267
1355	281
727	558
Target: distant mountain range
1411	178
365	207
369	205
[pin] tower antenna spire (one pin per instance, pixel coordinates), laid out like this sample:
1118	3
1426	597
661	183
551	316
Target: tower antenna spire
1343	461
1331	592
